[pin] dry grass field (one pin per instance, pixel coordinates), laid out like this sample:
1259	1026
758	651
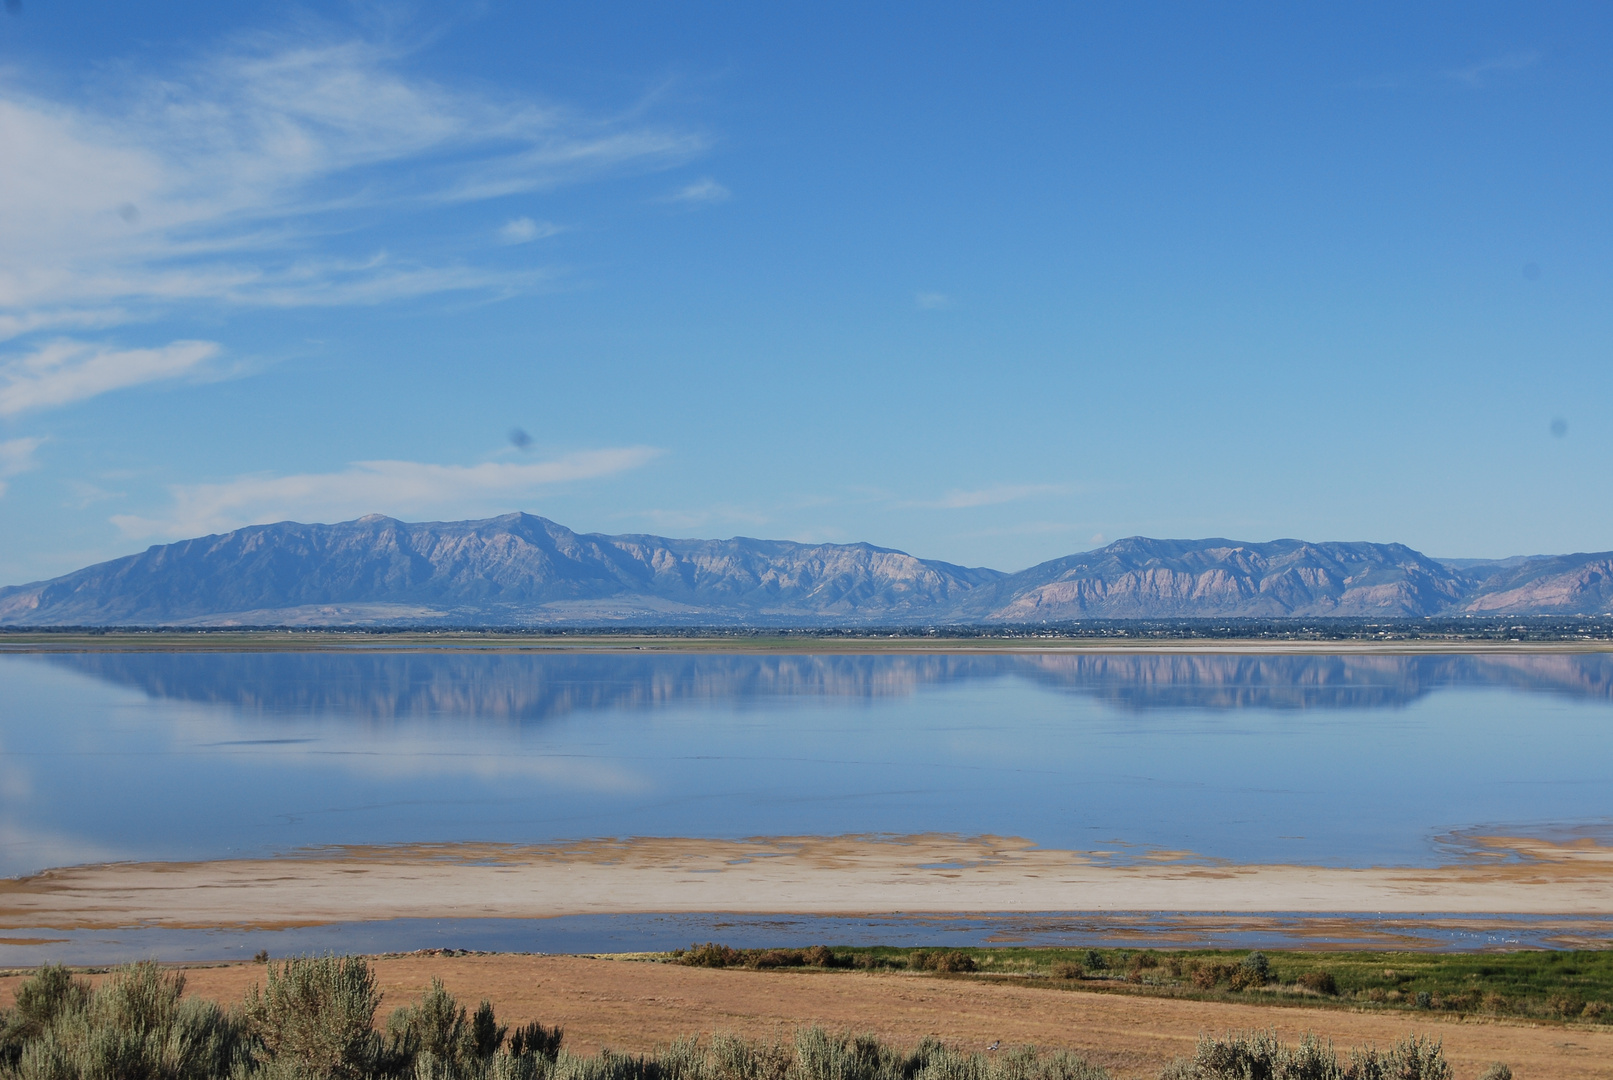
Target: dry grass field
635	1006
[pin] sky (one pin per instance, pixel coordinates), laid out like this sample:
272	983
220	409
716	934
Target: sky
986	283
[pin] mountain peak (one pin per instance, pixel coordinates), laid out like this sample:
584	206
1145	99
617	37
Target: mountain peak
520	569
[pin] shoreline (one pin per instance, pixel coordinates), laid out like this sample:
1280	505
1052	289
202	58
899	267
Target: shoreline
24	641
819	876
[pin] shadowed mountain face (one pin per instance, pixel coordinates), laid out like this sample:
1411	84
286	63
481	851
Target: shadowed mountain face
520	570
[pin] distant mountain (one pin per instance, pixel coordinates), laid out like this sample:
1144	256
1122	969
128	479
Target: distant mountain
1142	578
521	570
511	570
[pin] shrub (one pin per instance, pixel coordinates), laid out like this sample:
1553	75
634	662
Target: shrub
1093	961
1565	1005
947	962
1067	970
1496	1071
1321	982
48	993
1595	1010
1410	1059
1140	963
819	956
777	958
1257	968
733	1058
712	955
134	1027
1257	1056
316	1015
436	1025
534	1038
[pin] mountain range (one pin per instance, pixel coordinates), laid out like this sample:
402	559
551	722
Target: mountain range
522	570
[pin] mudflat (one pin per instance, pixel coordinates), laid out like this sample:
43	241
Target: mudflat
805	875
635	1006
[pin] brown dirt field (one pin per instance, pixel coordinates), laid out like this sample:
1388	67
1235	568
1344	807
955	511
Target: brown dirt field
635	1006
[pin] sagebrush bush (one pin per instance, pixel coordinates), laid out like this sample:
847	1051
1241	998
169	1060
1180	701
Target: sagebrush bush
135	1026
534	1038
1259	1055
316	1015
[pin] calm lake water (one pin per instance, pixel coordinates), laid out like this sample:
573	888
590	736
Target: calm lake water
1335	760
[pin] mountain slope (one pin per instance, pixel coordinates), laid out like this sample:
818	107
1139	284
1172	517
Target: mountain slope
1543	584
1142	578
512	569
520	570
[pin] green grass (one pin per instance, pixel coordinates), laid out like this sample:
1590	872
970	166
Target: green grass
1574	987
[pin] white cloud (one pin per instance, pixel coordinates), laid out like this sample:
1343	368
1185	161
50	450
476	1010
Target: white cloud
932	301
389	487
521	230
992	496
237	178
1477	75
66	371
705	190
17	456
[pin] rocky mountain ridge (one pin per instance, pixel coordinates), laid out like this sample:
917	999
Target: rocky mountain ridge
523	570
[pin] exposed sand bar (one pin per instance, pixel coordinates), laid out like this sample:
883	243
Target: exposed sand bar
803	875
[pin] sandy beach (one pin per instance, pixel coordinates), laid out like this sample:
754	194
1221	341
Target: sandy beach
805	875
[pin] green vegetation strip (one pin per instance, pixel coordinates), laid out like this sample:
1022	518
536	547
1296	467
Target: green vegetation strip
1574	987
314	1018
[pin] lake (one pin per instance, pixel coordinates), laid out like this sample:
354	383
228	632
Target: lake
1339	760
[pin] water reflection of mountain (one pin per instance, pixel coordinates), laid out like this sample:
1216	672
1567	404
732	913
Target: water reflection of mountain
533	687
1256	681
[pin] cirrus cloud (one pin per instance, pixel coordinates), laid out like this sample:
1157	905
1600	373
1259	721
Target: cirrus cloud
705	190
63	372
390	487
17	456
249	176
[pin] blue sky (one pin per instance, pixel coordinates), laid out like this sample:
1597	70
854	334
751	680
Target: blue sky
985	283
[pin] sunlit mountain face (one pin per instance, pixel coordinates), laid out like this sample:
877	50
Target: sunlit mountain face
521	570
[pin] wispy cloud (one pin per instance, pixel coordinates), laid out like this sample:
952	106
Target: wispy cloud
991	496
248	178
1478	75
17	456
390	487
523	230
67	371
931	301
705	190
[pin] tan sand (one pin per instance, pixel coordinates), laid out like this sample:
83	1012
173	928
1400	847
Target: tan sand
635	1006
805	875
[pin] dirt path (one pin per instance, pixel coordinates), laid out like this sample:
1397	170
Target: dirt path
636	1006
